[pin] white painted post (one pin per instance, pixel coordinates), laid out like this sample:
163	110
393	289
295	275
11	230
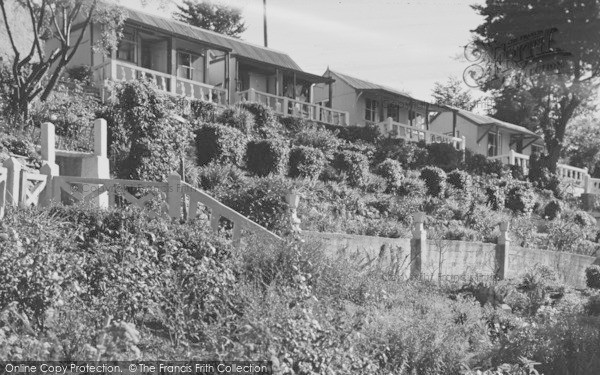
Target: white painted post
293	200
284	110
347	118
100	138
48	195
389	125
48	143
502	249
3	175
13	178
511	157
97	165
174	195
251	95
418	246
586	182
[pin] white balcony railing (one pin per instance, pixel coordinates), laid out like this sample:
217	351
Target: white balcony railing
117	70
290	107
411	133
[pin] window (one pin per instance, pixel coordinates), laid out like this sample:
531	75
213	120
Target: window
494	144
393	111
371	110
127	48
190	66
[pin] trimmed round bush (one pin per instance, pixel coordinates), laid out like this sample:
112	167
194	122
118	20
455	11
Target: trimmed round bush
220	143
444	156
306	162
435	180
238	118
267	156
479	164
592	276
460	180
353	164
520	199
411	187
391	171
553	209
319	138
264	117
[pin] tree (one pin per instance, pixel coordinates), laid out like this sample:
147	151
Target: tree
582	144
36	73
215	17
451	93
542	60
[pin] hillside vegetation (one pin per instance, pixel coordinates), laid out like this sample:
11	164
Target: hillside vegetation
79	283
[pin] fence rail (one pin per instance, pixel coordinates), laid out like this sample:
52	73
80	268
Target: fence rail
296	108
414	134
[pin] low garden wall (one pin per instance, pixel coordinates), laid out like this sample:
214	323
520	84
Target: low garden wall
451	260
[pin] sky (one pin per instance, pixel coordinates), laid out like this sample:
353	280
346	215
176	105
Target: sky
404	44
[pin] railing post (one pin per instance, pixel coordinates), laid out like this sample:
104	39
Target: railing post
284	110
418	246
174	195
48	143
48	195
3	175
251	95
511	157
293	200
13	178
347	118
502	250
98	165
389	125
586	182
113	67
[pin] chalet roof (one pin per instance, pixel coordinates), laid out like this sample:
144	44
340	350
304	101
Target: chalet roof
361	84
487	120
238	47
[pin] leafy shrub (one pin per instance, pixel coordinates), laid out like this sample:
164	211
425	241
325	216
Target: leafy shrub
553	209
70	109
411	186
264	117
215	175
396	149
460	180
479	164
220	143
391	171
520	198
268	156
355	134
444	156
306	162
82	73
353	164
203	111
146	142
583	219
318	138
238	118
592	276
262	200
293	124
435	180
592	307
496	196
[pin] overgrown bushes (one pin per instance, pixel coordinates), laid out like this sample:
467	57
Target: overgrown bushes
391	171
435	180
520	198
267	156
220	143
306	162
238	118
353	164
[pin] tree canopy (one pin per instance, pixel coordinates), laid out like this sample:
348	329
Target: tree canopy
211	16
60	25
452	93
541	62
